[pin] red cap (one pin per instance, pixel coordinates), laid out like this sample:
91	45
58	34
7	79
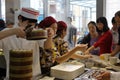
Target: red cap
61	25
47	22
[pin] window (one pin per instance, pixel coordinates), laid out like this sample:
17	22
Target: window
111	10
82	11
2	9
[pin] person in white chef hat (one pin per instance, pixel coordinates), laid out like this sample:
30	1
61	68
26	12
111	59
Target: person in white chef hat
27	16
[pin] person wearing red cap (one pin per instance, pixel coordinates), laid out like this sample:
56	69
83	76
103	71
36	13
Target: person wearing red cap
47	51
50	24
50	55
61	44
27	16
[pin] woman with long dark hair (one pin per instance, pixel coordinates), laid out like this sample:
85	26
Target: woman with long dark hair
105	40
92	37
113	75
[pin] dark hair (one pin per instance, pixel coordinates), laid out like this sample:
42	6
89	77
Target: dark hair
117	13
92	22
87	38
2	24
24	19
113	20
103	20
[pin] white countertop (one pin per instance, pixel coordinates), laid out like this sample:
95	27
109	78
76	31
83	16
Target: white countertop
105	63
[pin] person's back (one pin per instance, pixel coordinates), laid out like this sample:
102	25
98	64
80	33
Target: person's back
71	34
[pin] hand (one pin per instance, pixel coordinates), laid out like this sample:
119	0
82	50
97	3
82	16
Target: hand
87	56
20	32
48	44
87	52
23	24
81	47
103	76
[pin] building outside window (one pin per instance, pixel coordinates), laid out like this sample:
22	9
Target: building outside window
38	5
2	6
82	11
111	10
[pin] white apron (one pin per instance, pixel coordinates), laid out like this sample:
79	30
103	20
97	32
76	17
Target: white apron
13	42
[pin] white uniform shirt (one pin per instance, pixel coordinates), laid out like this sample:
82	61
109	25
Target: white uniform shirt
13	42
115	36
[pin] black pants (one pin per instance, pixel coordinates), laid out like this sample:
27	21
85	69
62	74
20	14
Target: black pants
45	71
2	72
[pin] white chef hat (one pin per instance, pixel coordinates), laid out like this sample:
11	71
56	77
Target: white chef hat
29	13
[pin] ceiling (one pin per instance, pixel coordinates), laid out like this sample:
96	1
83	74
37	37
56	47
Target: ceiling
86	3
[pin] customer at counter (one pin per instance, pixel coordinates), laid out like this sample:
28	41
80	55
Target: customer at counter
113	75
49	53
117	48
28	16
105	40
92	37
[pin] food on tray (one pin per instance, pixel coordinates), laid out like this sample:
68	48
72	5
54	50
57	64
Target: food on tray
97	73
